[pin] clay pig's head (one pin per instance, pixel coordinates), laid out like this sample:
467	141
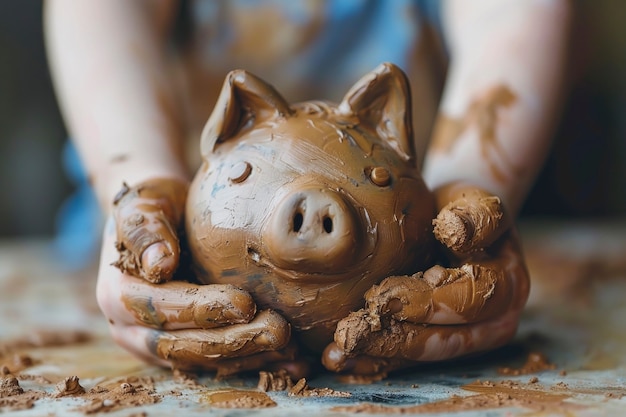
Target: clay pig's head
306	206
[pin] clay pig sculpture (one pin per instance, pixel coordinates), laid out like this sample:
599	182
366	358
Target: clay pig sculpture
307	206
315	230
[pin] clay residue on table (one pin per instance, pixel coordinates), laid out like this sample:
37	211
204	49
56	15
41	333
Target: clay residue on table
330	205
13	396
490	395
239	399
301	389
536	362
115	396
14	364
43	338
130	392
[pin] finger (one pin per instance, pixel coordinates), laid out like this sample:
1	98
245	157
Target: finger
189	348
180	305
147	216
208	349
418	342
469	219
474	292
174	305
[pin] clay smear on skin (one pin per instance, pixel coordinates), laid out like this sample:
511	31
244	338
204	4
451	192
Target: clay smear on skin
483	115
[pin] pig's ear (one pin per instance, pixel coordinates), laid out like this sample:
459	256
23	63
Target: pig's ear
382	100
245	99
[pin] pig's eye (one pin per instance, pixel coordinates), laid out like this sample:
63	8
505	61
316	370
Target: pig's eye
379	176
239	172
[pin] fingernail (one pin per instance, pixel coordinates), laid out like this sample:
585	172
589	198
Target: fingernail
157	259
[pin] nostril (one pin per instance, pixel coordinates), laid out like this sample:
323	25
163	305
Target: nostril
328	224
298	219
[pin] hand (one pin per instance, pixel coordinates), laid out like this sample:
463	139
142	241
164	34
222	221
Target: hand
176	323
445	312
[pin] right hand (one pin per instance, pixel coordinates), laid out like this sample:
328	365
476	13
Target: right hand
172	322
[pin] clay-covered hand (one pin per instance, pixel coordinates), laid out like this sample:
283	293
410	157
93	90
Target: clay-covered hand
470	305
169	321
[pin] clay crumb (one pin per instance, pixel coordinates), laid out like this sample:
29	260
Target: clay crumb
69	387
536	362
301	389
10	387
13	397
274	381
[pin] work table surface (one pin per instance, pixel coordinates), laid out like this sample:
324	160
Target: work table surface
575	320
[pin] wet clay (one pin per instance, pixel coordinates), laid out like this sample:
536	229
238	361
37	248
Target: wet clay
307	205
482	115
536	362
239	399
490	396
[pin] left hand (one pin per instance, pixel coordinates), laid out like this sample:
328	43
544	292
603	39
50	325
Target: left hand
472	305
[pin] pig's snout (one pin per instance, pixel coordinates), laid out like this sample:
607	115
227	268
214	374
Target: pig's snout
312	230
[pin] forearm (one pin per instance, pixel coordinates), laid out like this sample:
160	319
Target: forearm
109	65
502	94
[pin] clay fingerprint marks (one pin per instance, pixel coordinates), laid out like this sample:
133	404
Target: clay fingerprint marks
483	115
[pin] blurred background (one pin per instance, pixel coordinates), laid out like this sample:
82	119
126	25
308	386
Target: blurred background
584	177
